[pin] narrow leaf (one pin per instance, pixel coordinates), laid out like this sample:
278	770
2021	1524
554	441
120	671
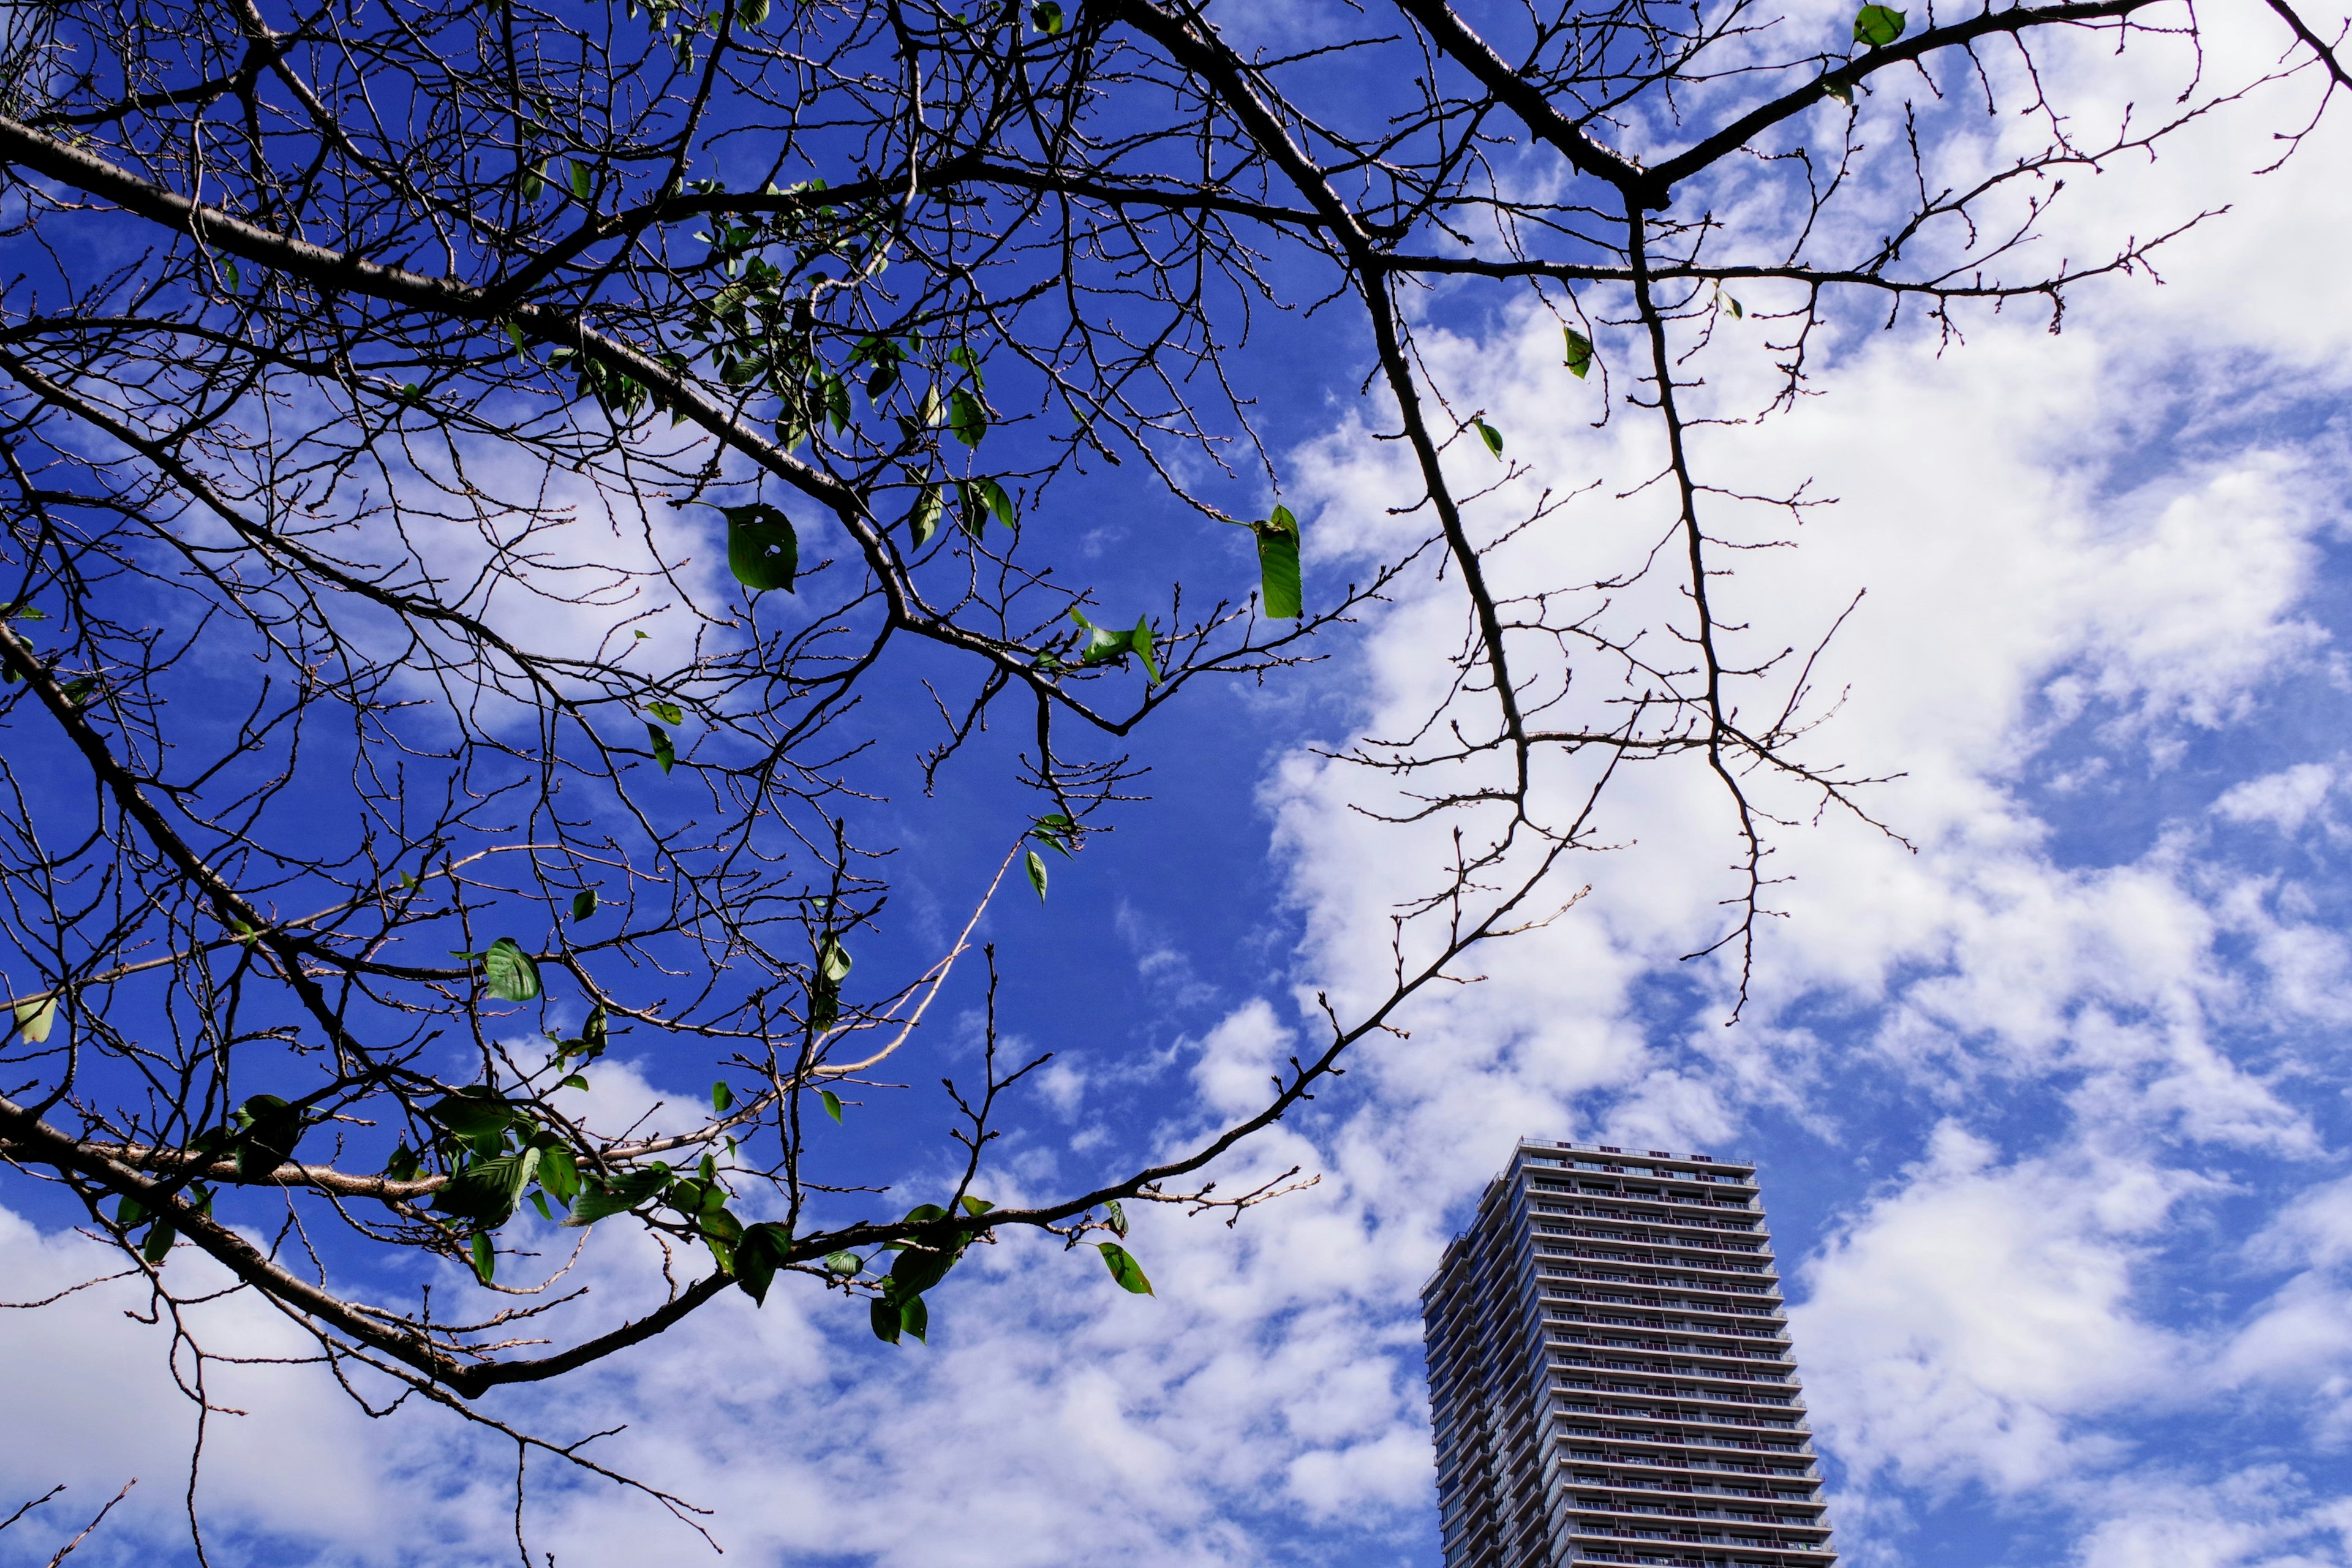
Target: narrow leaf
1117	1214
832	1103
1124	1267
579	179
1489	434
485	1256
1036	874
665	753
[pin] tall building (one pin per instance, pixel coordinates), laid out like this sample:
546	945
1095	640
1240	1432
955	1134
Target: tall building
1611	1376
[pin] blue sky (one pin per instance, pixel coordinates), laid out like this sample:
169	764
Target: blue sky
2051	1112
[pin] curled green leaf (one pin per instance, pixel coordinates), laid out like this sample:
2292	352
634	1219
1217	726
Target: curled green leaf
36	1016
665	752
509	973
1047	18
667	712
830	1101
1489	435
1280	588
1036	866
1580	353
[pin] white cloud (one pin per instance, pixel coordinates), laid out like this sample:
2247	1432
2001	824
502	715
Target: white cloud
2284	799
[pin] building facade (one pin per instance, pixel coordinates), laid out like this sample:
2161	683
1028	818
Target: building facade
1610	1372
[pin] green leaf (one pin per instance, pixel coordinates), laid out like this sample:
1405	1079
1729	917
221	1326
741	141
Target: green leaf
559	1173
962	354
833	961
1842	92
976	1206
272	1129
923	517
581	179
128	1212
1580	353
843	1265
887	1320
1279	586
1139	639
1036	874
1124	1267
667	712
36	1016
917	1270
583	904
992	496
488	1192
721	1097
1047	17
751	13
158	1244
915	1318
483	1256
402	1167
601	1200
230	275
534	182
832	1102
1877	26
538	1202
761	1251
1489	434
665	753
967	420
480	1121
762	549
1057	831
510	974
1117	1214
575	1081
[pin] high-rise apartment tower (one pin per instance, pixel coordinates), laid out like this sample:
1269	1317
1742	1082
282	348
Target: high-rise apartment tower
1610	1372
